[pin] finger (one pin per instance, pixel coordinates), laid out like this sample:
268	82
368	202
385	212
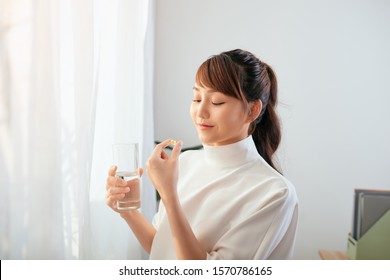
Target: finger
115	181
177	150
164	155
110	182
167	142
112	170
158	151
115	197
116	190
112	199
141	171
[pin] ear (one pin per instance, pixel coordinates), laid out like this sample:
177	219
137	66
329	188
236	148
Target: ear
255	109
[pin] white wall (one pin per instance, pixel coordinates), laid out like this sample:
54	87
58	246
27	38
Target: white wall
332	59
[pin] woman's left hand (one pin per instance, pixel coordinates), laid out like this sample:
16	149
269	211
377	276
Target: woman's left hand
163	169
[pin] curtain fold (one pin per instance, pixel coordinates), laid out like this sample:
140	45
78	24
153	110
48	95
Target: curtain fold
73	81
123	100
42	187
85	107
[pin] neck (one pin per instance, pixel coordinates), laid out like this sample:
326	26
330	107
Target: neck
234	154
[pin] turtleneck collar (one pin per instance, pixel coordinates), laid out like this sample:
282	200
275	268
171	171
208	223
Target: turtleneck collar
233	154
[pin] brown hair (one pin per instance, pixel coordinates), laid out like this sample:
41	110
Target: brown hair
240	74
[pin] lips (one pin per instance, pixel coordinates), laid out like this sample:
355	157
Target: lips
204	125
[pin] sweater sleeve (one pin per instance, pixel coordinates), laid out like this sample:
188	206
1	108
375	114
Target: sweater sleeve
157	218
268	233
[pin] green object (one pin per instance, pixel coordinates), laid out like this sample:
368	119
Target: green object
374	244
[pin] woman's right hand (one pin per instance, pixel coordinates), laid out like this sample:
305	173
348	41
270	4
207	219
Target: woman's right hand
116	188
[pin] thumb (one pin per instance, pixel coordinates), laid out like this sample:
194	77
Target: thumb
141	171
177	150
112	170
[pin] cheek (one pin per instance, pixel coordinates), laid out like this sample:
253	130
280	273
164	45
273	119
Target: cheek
234	126
192	112
233	117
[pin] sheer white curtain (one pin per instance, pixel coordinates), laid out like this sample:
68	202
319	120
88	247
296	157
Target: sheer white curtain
75	76
124	114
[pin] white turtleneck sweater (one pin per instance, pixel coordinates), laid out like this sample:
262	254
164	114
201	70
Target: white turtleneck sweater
237	205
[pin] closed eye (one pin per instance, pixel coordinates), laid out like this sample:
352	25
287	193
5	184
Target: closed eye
218	103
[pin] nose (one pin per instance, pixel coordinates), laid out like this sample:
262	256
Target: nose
203	111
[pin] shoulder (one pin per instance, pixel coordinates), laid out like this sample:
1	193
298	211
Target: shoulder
190	160
271	183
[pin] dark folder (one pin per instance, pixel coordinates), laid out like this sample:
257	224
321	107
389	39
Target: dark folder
369	207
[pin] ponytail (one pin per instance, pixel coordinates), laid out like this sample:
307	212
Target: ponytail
267	133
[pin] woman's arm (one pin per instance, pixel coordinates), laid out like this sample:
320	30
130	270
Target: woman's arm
142	229
163	172
116	188
186	244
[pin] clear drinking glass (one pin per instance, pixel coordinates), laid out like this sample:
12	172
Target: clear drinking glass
126	159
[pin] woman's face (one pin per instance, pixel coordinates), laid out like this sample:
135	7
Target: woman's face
219	119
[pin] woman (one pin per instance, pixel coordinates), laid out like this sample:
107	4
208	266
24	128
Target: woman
226	201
